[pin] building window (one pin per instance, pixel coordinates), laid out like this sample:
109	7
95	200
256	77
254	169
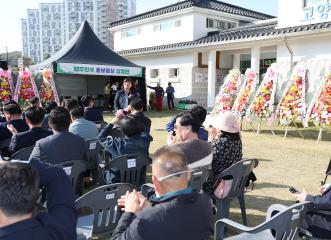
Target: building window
154	73
167	25
173	72
131	33
218	24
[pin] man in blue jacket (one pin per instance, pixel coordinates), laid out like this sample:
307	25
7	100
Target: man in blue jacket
134	140
177	212
318	221
19	191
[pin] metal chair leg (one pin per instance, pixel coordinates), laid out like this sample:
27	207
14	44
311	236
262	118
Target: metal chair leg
223	208
243	209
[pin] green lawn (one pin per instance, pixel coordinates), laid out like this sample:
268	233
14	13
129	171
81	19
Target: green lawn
283	163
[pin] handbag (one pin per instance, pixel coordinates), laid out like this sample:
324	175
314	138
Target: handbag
222	188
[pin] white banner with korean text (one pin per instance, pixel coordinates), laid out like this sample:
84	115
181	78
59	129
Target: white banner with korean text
91	69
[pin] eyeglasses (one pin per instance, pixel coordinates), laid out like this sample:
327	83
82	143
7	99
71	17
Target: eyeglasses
171	175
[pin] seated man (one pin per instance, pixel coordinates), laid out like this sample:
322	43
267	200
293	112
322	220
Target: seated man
136	108
82	127
49	107
90	113
62	146
133	141
20	188
34	117
69	103
34	101
13	117
318	221
176	213
199	113
199	153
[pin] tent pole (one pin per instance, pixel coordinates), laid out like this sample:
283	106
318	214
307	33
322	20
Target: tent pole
86	85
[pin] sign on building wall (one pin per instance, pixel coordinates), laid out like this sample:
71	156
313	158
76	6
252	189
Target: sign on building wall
317	12
90	69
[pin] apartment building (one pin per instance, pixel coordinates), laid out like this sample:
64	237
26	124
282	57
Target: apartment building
56	23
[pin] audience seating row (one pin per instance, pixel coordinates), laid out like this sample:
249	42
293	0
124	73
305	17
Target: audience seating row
103	214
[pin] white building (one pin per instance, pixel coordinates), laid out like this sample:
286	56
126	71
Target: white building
195	43
58	22
25	37
31	34
51	28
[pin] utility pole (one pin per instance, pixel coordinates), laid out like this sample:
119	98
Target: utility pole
7	52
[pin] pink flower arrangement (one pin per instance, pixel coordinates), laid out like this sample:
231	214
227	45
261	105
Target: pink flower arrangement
25	87
262	105
292	104
5	86
47	93
246	91
227	95
320	110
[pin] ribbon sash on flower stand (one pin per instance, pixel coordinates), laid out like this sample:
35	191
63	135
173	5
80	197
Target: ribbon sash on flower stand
320	108
48	81
25	76
245	93
292	104
6	85
228	92
262	105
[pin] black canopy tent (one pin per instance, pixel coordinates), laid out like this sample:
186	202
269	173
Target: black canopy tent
85	64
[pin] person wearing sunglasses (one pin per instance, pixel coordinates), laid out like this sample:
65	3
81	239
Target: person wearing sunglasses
176	212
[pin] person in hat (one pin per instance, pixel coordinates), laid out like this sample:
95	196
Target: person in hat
224	136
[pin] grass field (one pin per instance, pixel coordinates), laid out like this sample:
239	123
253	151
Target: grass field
283	163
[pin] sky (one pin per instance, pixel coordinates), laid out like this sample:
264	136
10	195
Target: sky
14	10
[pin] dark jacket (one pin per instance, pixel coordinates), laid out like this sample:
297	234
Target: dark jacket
170	91
318	221
93	115
59	147
226	152
59	222
146	121
122	100
159	92
186	216
118	146
19	124
27	139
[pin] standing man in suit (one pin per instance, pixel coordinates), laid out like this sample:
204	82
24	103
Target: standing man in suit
170	96
62	146
34	117
318	221
20	189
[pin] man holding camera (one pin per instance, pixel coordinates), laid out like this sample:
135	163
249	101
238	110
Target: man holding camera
318	221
